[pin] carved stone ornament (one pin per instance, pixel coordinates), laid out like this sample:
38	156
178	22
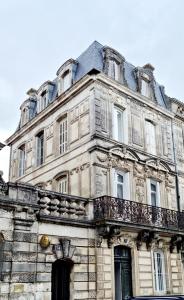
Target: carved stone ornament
64	250
178	242
123	240
148	237
109	232
44	241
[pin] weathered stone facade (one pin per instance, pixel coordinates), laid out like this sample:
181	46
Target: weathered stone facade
95	220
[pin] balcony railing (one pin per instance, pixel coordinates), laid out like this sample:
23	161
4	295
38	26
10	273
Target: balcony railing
125	211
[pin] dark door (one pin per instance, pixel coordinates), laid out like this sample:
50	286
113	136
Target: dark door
123	273
61	270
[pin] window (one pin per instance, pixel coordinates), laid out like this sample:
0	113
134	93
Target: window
114	69
40	148
25	116
22	160
150	137
63	185
154	192
121	185
145	89
159	271
66	80
63	135
118	124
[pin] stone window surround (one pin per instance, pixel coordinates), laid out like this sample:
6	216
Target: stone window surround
164	264
41	130
57	177
66	68
111	54
22	145
43	90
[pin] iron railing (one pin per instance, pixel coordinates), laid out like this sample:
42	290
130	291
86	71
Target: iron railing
116	209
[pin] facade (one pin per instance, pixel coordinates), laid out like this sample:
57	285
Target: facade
98	162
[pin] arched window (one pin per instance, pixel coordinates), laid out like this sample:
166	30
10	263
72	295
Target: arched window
159	271
61	270
40	148
22	160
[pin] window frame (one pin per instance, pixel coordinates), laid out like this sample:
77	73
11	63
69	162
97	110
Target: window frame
157	184
126	184
114	69
63	135
156	271
22	160
150	147
40	156
62	179
118	136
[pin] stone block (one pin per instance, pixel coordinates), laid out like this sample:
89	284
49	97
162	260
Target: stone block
25	237
23	277
43	277
23	267
80	286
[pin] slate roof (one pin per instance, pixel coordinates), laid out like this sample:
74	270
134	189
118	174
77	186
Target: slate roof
92	58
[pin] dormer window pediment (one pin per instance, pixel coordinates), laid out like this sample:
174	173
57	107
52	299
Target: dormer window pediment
44	95
65	75
114	64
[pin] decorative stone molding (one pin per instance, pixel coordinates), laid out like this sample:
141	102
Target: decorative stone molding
148	237
123	240
177	241
64	250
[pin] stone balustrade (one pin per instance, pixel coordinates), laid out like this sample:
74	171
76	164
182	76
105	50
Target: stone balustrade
61	205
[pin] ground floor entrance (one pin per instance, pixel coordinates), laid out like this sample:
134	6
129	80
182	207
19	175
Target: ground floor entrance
123	273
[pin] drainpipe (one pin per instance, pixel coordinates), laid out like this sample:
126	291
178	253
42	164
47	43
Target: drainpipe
176	168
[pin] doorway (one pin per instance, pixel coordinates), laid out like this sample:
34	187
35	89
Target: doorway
61	270
123	273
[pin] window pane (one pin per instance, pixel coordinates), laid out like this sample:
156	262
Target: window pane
145	88
66	81
63	136
62	185
40	148
159	271
118	124
120	190
120	178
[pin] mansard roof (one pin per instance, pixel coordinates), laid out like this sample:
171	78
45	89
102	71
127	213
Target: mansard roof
93	58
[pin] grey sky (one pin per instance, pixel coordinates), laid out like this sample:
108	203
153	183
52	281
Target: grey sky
36	37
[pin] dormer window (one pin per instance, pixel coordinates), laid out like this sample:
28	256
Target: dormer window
114	64
45	95
25	116
64	74
145	86
114	69
66	80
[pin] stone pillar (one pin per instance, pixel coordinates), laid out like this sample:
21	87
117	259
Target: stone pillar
104	272
24	254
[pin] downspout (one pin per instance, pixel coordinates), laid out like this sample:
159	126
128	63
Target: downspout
176	169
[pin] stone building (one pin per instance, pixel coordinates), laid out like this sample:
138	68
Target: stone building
94	205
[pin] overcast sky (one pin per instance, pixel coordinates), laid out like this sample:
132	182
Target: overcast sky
37	36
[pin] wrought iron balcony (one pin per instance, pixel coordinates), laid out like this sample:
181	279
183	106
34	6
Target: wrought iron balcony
111	209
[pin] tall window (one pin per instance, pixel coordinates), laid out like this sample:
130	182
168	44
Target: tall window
154	192
114	69
62	183
22	160
118	124
159	271
121	185
145	89
150	137
66	80
40	148
63	135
